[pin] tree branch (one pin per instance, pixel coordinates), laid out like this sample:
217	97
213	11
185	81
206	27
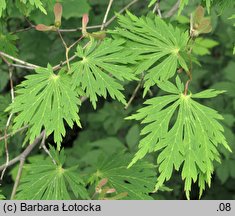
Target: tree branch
25	153
134	93
120	12
13	133
106	14
43	145
157	8
173	10
17	181
10	68
33	66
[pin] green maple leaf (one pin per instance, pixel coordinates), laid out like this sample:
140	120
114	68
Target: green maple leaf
45	100
47	181
99	61
137	182
185	132
160	47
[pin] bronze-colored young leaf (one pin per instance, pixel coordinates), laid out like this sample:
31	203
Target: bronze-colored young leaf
201	24
198	15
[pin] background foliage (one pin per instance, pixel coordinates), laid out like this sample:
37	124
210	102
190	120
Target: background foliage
93	159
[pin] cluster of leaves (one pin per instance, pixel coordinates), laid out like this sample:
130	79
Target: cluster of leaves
45	180
45	99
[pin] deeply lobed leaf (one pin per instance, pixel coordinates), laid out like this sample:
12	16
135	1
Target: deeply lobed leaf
45	100
185	132
47	181
160	47
100	68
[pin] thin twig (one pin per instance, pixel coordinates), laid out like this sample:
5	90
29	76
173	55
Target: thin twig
17	181
73	44
157	8
62	39
69	59
23	30
29	22
134	93
14	132
173	10
67	49
25	153
58	66
106	24
23	66
10	68
106	14
18	60
43	145
120	12
20	169
79	28
7	154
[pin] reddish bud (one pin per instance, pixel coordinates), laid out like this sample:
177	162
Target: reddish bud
42	27
85	20
111	190
101	184
58	9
